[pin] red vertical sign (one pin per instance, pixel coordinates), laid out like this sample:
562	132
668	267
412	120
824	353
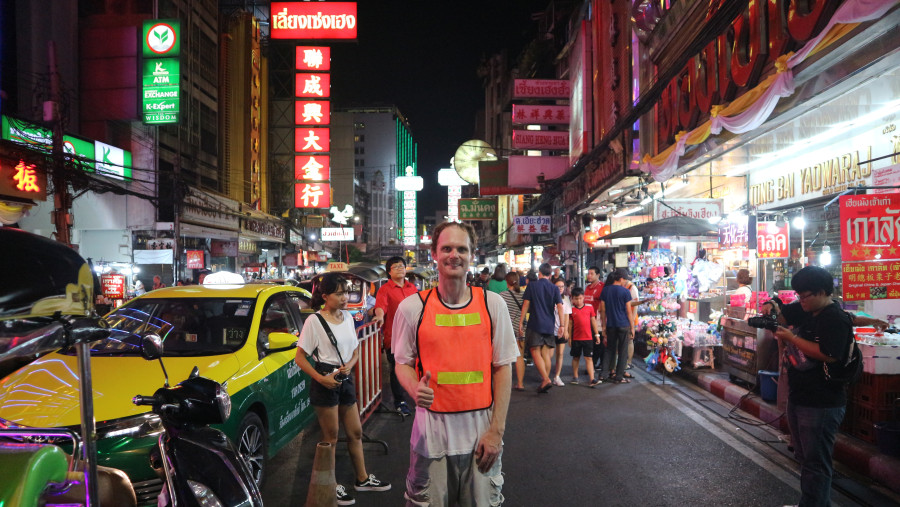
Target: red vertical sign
870	246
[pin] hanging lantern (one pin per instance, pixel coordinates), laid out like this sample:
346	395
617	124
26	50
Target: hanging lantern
604	230
591	237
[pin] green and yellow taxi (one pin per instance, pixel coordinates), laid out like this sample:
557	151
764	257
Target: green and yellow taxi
243	336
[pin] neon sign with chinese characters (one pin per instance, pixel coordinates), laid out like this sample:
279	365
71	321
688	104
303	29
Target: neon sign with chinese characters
312	167
23	180
313	58
312	140
312	195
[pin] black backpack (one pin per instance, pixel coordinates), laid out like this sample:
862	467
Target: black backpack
852	370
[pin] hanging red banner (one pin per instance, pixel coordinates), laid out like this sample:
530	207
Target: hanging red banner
772	241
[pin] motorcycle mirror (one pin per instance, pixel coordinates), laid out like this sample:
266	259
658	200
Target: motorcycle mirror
151	347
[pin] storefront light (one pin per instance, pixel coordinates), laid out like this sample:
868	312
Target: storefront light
799	222
825	256
628	211
715	219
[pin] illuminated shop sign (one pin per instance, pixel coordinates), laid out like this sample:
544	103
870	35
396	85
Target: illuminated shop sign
541	115
22	180
312	85
312	140
312	112
313	58
312	195
313	20
115	162
312	167
161	76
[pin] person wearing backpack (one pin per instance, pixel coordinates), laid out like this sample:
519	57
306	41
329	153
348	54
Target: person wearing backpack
818	348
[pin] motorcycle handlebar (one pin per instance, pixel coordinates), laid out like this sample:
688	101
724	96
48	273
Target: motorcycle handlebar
143	400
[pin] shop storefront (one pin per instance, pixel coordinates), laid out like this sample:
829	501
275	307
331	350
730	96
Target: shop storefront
261	245
209	233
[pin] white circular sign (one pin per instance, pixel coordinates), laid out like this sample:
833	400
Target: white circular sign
161	38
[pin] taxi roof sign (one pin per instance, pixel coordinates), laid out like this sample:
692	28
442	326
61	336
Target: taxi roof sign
337	266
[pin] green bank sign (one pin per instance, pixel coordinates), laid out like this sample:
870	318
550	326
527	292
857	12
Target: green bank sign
93	156
477	209
161	76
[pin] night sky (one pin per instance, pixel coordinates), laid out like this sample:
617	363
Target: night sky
423	56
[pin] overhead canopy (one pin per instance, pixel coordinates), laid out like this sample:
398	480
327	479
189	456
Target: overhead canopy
673	226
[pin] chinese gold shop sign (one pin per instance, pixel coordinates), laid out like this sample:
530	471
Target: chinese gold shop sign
821	178
22	180
870	246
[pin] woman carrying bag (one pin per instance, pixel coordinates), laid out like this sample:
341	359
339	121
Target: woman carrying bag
330	337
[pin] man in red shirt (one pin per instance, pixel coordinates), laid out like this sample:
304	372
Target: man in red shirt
389	296
592	297
594	287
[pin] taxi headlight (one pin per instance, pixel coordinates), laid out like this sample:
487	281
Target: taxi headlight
133	427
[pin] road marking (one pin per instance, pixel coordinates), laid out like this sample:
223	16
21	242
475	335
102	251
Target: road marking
715	428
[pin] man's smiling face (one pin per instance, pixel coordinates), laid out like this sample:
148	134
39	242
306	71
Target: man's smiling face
453	253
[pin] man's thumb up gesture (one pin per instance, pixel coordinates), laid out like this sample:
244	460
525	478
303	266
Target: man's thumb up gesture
424	394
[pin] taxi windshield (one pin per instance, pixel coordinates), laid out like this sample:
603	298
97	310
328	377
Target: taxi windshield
187	326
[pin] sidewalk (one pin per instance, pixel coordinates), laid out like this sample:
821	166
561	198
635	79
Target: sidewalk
862	457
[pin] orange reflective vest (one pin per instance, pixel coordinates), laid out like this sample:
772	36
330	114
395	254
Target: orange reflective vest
455	345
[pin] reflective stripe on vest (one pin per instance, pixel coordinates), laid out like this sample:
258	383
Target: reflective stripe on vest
455	345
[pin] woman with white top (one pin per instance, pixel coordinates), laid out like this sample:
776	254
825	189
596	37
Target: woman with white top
333	394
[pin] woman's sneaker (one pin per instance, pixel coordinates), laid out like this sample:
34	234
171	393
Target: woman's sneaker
372	484
343	497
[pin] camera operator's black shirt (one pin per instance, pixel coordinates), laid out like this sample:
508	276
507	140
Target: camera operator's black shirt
833	331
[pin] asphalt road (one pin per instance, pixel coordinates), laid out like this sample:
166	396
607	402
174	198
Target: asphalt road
645	443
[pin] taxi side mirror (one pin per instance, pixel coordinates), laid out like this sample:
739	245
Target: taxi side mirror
280	342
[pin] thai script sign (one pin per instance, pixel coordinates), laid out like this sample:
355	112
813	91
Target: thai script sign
541	115
692	208
194	259
870	280
531	224
478	209
772	241
870	227
313	58
113	286
541	89
337	234
540	140
313	20
220	248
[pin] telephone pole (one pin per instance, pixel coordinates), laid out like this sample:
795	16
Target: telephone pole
62	199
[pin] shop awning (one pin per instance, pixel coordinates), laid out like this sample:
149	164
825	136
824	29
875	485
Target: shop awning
674	226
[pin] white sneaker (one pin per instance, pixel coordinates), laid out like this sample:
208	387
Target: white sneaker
558	382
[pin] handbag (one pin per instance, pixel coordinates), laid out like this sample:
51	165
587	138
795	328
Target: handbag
340	377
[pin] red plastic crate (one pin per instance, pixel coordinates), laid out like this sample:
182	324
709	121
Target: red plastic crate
861	418
879	391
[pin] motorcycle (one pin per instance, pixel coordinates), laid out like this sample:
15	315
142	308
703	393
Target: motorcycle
198	464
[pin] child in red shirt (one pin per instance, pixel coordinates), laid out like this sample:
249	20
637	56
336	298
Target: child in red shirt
585	332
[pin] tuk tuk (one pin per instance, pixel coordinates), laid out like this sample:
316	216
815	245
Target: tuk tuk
365	280
423	278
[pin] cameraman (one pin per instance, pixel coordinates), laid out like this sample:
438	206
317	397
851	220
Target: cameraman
824	336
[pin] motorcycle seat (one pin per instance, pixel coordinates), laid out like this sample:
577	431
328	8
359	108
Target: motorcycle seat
27	470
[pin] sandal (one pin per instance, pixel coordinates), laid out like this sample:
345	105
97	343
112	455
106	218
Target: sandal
623	381
628	375
517	388
544	389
